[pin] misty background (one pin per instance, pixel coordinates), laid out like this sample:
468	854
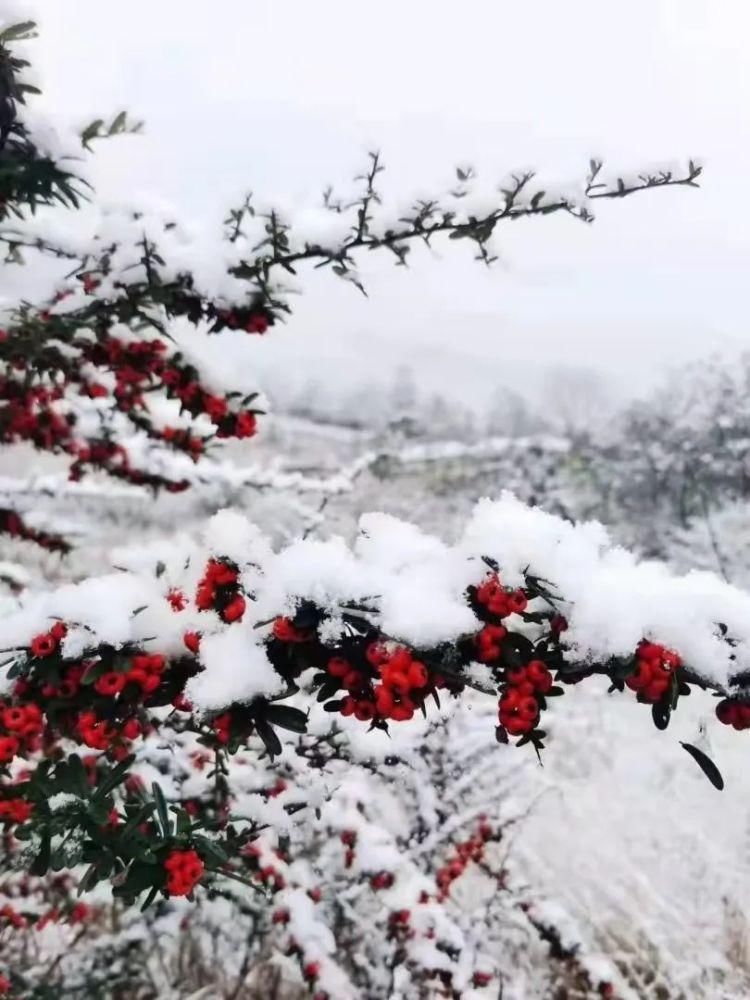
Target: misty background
282	97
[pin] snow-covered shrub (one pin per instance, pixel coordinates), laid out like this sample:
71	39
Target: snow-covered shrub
145	712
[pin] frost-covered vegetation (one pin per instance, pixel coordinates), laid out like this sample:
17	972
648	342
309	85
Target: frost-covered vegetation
273	715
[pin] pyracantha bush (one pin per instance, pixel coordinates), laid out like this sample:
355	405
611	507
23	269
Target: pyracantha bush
201	657
221	645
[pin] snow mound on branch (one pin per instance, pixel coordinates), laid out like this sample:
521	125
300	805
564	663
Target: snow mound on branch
410	584
612	599
236	669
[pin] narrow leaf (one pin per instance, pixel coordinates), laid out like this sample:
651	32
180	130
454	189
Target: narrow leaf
706	765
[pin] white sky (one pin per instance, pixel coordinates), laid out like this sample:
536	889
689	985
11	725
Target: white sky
283	96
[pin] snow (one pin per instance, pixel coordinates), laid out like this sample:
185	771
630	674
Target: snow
236	669
414	583
611	598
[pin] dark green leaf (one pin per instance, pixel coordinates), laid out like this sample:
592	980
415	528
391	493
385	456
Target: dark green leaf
135	821
89	880
149	898
115	777
161	810
706	765
17	31
660	712
140	876
328	690
287	717
211	851
271	741
40	864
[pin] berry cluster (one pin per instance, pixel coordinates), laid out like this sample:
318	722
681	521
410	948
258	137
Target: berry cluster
112	458
182	382
222	727
349	839
22	727
654	668
266	871
381	880
98	734
92	701
41	404
219	590
15	810
488	643
11	523
31	414
133	365
12	918
184	870
48	643
285	630
733	712
404	681
145	672
464	853
498	600
520	703
251	320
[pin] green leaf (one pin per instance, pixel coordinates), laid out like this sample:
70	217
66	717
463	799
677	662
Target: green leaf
271	741
115	777
135	821
40	864
91	131
118	124
78	776
161	810
98	811
140	876
89	880
183	823
328	690
212	851
150	898
660	713
17	31
706	765
287	717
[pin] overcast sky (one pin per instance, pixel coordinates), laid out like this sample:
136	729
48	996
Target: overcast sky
283	96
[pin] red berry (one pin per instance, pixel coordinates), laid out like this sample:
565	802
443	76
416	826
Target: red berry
192	641
353	680
110	683
402	713
364	711
43	645
418	675
132	729
338	667
234	610
285	631
641	676
539	675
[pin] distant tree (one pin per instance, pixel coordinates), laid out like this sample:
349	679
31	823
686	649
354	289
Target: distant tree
510	415
576	400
